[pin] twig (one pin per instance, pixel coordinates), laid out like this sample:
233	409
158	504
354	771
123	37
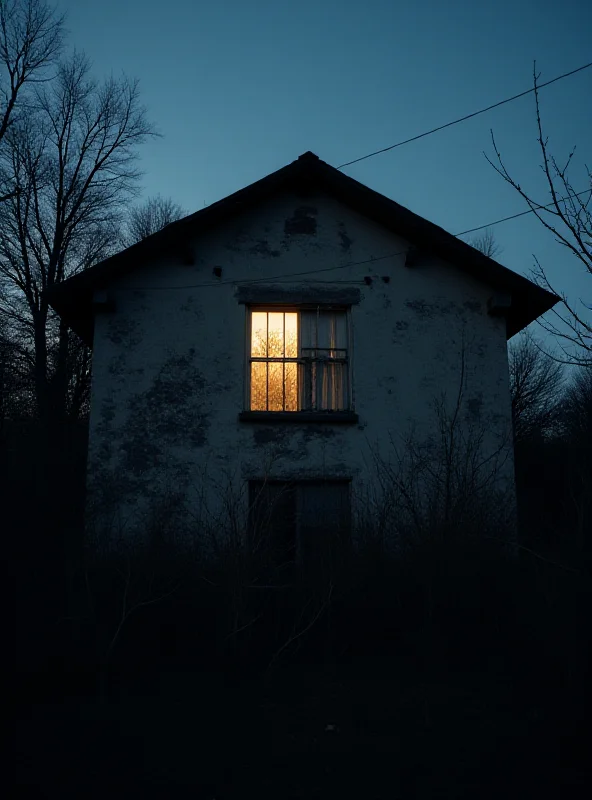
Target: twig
301	633
243	627
125	615
532	553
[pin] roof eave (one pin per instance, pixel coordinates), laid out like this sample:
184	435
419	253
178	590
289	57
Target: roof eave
73	298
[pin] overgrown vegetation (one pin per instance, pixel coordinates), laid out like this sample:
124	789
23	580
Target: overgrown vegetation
462	599
460	586
459	645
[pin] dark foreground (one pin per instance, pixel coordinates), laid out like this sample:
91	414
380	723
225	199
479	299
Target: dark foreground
378	731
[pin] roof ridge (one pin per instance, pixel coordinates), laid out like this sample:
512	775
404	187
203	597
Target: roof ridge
72	298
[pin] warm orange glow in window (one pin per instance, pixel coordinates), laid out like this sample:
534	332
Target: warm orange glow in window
259	334
291	335
299	361
274	378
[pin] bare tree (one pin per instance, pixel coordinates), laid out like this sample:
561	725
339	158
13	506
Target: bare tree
486	243
577	430
536	381
16	384
71	163
569	218
440	483
577	406
31	37
6	383
150	217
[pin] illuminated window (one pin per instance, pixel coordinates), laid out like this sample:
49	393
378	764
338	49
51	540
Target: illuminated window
299	361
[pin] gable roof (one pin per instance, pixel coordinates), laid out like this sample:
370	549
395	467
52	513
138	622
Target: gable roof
72	299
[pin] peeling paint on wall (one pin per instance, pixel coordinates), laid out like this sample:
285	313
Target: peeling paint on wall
473	305
303	221
169	366
170	410
345	241
124	332
429	310
475	406
261	248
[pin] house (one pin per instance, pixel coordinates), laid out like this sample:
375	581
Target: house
264	356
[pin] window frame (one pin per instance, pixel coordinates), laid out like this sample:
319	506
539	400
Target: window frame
296	488
344	415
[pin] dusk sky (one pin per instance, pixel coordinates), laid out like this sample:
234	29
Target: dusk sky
239	88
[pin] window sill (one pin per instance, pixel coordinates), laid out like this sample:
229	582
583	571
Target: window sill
331	417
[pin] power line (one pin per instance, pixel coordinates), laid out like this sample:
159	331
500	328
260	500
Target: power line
362	158
271	277
283	276
522	213
462	119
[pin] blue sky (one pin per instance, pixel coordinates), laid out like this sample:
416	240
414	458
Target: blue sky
238	88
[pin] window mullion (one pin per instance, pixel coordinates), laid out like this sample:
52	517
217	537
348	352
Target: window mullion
321	376
267	363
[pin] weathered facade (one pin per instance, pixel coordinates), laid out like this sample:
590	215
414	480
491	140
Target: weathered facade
175	427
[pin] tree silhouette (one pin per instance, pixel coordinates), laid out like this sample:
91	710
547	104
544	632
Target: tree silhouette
31	37
569	219
71	164
536	382
151	217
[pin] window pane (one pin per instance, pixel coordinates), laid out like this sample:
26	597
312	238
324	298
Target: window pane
318	383
275	336
331	330
325	519
291	335
275	399
326	330
306	385
324	386
259	334
308	321
331	386
291	384
272	521
258	386
340	332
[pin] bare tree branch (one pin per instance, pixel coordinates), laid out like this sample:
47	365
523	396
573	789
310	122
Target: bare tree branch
486	244
569	218
536	380
150	217
71	165
31	37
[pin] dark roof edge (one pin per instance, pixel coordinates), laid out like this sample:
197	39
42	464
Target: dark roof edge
72	298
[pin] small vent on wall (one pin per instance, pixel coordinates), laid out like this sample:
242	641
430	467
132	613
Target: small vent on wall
499	305
412	257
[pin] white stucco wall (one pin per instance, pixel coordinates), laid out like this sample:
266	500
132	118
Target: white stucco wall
169	364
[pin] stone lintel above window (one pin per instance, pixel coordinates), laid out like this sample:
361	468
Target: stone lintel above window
263	294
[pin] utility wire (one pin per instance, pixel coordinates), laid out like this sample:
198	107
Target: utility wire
281	278
468	116
272	277
377	152
522	213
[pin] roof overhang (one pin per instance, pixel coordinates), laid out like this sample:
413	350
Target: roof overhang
73	299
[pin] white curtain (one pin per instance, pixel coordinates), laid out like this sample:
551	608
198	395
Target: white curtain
323	340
